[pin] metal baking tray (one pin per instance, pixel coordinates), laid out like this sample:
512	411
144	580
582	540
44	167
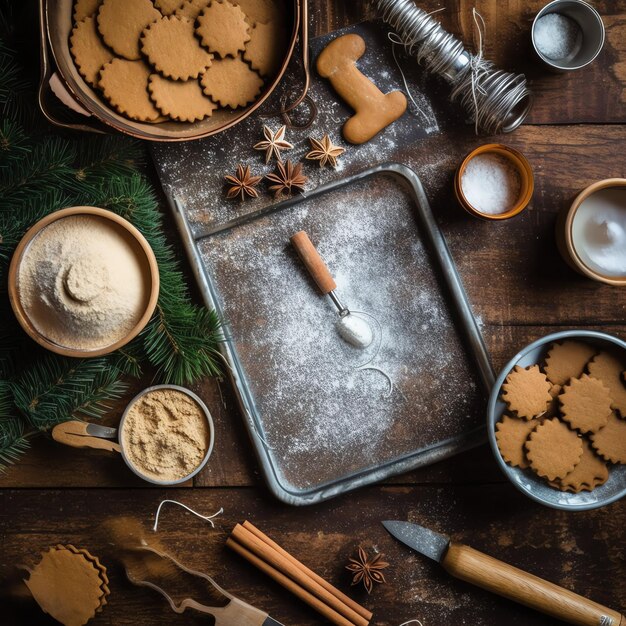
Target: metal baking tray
319	424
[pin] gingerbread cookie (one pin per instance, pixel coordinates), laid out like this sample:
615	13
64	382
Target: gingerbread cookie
526	392
191	9
222	28
167	7
590	472
121	23
231	82
511	435
125	85
263	11
567	360
85	8
89	53
264	51
374	110
182	101
553	450
168	34
585	404
554	406
608	369
69	584
610	441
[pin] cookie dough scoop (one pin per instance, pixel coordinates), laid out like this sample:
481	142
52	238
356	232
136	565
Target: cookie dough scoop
351	328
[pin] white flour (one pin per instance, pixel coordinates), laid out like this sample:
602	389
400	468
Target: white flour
321	416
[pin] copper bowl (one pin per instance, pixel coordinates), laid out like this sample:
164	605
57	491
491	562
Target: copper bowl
56	26
152	270
521	164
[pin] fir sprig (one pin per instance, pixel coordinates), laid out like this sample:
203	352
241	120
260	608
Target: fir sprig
40	173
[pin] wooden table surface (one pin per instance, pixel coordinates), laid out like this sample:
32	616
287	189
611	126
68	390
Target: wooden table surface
520	288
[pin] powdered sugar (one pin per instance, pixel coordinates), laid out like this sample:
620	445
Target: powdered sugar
322	417
557	36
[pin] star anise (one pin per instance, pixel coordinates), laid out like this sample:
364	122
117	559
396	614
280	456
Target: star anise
367	571
242	184
274	142
324	151
287	178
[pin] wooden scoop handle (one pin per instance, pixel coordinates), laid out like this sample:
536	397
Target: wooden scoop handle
313	262
512	583
74	433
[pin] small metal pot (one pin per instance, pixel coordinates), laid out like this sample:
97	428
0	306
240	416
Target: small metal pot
591	27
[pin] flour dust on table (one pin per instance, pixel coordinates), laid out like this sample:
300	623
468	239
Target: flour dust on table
321	416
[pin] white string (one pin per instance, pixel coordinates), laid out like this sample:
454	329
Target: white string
475	63
206	518
412	621
377	369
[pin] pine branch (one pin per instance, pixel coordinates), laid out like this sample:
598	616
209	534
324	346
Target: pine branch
13	442
54	389
13	143
100	158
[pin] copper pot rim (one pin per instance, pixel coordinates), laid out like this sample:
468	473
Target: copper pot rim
588	191
21	314
521	163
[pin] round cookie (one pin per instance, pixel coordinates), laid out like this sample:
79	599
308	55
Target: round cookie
125	85
231	83
553	450
590	472
567	360
183	101
526	392
259	10
222	28
191	9
85	8
121	23
88	50
511	435
264	51
585	404
167	7
609	370
173	50
610	442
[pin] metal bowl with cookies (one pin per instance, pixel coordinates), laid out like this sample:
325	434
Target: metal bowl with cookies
557	420
172	70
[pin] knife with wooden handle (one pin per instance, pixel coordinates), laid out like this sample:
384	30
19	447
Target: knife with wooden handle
505	580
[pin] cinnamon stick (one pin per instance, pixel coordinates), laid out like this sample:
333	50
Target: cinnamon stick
355	606
271	556
317	604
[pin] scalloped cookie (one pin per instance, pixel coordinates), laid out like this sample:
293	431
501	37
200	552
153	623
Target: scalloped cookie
121	23
173	50
567	360
526	392
610	442
182	101
88	50
590	472
511	435
585	404
231	83
265	49
223	29
125	85
553	450
85	8
608	369
167	7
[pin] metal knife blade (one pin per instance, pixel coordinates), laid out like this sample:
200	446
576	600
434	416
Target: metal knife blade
422	540
270	621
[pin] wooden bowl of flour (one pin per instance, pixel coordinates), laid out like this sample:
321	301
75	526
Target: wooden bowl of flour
83	282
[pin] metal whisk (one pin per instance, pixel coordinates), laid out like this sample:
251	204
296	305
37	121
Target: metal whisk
498	101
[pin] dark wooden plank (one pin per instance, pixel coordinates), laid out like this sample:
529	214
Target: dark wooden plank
596	93
581	552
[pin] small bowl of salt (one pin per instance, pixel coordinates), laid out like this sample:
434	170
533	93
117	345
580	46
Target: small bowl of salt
591	233
567	35
494	182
